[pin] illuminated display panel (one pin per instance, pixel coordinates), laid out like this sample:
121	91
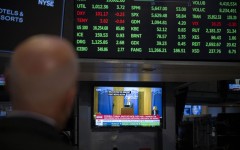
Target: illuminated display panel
2	80
116	106
21	19
159	30
5	109
192	110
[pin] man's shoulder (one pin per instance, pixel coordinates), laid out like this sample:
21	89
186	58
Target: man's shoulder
25	133
22	122
27	126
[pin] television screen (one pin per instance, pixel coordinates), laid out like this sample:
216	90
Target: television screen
201	30
5	108
119	106
187	110
2	80
21	19
234	87
192	110
4	96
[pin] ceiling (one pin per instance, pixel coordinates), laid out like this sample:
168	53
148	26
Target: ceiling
150	70
166	71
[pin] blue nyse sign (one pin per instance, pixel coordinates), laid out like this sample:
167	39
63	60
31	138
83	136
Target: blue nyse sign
49	3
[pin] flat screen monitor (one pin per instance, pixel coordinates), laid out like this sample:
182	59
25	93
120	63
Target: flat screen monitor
2	80
234	87
20	19
192	110
5	109
200	30
124	106
4	95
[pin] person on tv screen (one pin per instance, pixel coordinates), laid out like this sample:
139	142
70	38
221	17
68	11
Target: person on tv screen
41	79
129	103
196	110
155	111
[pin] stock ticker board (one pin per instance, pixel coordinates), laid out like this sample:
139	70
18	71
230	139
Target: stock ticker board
203	30
22	19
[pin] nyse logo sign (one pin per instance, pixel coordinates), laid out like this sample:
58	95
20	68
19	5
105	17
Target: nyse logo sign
49	3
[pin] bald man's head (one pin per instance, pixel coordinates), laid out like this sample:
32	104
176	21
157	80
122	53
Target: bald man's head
42	72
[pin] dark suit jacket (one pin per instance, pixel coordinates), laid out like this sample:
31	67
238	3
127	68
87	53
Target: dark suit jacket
19	133
156	112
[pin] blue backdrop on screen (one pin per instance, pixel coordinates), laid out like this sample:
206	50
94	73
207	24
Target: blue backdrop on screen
21	19
157	99
192	110
105	102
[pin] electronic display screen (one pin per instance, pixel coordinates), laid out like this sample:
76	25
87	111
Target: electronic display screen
2	80
5	109
192	110
234	87
21	19
202	30
4	95
115	106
